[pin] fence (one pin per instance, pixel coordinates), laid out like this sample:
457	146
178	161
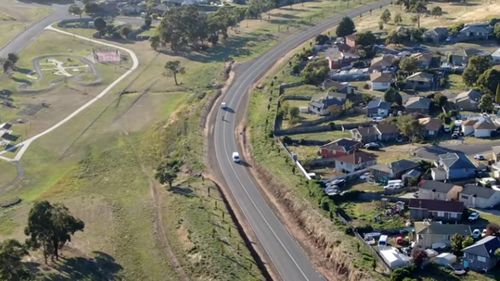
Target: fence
297	163
318	129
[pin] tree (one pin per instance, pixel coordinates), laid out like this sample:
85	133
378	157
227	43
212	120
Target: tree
418	255
399	274
408	64
173	68
489	80
392	96
50	227
476	66
11	266
346	27
125	31
497	253
497	95
486	103
437	11
167	172
155	42
386	16
147	22
440	100
294	114
7	66
467	242
496	32
365	38
321	39
456	243
75	10
393	38
100	25
409	127
12	57
316	71
92	8
454	29
398	19
492	229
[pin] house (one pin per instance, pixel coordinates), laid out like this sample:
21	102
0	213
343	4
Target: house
418	105
450	211
468	100
365	134
436	235
355	74
481	255
476	196
496	153
339	147
387	131
495	56
327	105
383	62
432	126
420	81
338	58
380	81
378	107
436	35
393	170
423	59
350	40
339	87
355	161
476	31
436	190
484	128
453	166
468	126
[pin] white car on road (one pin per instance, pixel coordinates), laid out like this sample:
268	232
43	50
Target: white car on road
236	157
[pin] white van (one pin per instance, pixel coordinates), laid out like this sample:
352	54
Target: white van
382	240
236	157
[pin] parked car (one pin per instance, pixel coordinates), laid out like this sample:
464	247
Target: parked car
455	135
365	176
483	234
337	182
479	157
415	194
377	119
330	191
476	233
372	146
474	216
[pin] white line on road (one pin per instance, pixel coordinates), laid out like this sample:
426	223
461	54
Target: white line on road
135	63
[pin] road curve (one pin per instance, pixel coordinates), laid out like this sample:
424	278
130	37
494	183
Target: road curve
23	39
286	255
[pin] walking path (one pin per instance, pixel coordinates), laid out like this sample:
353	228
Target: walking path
23	146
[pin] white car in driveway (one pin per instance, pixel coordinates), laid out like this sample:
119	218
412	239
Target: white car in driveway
474	216
236	157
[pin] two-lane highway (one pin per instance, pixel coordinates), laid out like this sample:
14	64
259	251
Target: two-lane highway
286	255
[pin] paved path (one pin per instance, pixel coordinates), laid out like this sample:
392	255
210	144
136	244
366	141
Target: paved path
23	146
289	259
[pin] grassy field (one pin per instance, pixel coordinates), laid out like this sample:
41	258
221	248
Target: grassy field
15	17
473	11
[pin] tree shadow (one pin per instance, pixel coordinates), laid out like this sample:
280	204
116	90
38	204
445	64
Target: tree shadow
186	191
20	80
101	267
24	70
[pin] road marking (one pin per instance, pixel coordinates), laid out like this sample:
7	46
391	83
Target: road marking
26	143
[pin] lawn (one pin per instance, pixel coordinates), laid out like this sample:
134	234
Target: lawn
323	136
16	17
371	213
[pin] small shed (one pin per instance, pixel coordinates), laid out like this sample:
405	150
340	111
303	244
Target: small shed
393	258
445	259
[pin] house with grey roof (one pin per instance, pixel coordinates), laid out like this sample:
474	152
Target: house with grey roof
420	81
468	100
380	132
378	107
481	255
475	31
393	170
436	235
450	211
476	196
437	190
380	81
436	35
328	104
484	128
418	105
452	167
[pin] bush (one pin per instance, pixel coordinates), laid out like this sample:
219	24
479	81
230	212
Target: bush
364	228
400	274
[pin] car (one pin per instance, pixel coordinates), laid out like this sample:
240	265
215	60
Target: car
236	157
455	136
377	119
476	233
223	105
372	146
330	191
447	129
479	157
337	182
365	176
474	216
415	194
484	233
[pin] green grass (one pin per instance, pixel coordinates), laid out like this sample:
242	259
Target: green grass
456	83
365	213
323	136
8	172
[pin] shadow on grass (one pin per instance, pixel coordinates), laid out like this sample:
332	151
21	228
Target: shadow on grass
186	191
101	267
239	46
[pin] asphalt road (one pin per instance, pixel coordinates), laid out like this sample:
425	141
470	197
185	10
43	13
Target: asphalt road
286	255
23	39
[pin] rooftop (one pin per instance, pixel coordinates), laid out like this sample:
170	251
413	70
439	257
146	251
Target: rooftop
436	186
485	247
358	157
437	228
478	191
436	205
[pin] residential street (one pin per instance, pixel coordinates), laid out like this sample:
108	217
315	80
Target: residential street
286	255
